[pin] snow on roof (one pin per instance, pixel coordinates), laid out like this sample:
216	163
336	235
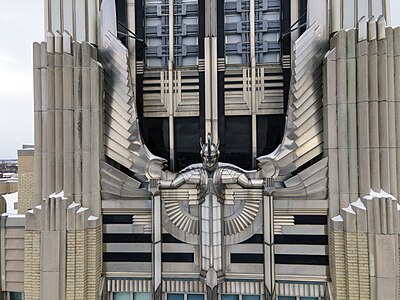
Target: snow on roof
381	194
11	199
359	204
338	218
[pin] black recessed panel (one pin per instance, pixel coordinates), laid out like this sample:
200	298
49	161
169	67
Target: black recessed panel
237	148
247	258
293	239
296	259
169	238
177	257
121	17
310	220
270	129
303	16
126	257
255	239
156	136
126	238
187	142
117	219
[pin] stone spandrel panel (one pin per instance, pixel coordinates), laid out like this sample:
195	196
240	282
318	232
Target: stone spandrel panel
12	252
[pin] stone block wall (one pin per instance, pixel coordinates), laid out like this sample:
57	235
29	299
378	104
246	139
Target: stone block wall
63	251
32	265
25	179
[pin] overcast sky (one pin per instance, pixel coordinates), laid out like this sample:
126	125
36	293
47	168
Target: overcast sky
21	23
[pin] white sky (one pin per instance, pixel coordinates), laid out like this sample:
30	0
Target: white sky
21	23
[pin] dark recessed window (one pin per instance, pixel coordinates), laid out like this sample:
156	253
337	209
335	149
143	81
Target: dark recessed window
156	136
126	257
121	17
187	138
238	142
269	133
247	258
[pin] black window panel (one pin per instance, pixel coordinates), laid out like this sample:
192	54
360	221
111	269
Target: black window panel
177	257
156	136
169	238
247	258
292	239
296	259
255	239
121	17
126	257
303	16
117	219
126	238
310	220
270	129
187	146
237	148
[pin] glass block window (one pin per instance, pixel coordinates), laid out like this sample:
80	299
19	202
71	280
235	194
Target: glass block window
229	297
175	296
185	32
141	296
251	297
195	297
16	296
237	31
121	296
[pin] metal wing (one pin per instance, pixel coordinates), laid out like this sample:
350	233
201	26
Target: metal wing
304	126
122	139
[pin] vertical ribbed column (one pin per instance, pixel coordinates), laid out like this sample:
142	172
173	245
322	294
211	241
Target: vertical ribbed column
373	115
396	60
352	114
77	123
341	98
391	114
44	83
383	106
37	83
362	109
58	112
51	151
96	139
68	117
87	133
330	130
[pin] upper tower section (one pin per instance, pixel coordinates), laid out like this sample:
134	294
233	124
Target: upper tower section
346	13
78	17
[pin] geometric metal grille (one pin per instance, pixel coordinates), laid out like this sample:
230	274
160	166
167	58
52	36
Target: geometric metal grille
185	32
237	31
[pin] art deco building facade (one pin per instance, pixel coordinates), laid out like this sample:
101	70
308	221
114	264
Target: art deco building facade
202	149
